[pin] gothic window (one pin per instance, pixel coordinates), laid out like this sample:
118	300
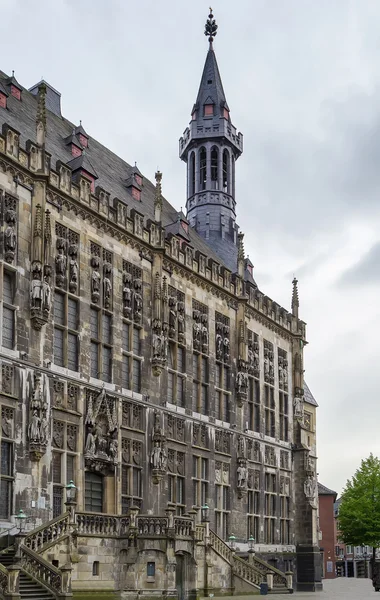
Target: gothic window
131	327
222	393
93	492
270	498
200	384
131	474
57	477
176	374
6	461
202	168
284	416
222	499
253	506
131	357
101	344
176	480
9	310
270	422
200	480
253	404
192	174
214	167
284	510
66	335
226	171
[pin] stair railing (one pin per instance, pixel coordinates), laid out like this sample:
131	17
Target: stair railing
48	533
4	575
40	569
257	567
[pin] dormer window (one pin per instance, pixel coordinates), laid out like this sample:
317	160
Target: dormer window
83	140
91	178
75	150
194	115
136	193
209	110
138	179
16	93
226	114
3	96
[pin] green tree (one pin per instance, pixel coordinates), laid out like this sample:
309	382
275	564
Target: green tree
359	511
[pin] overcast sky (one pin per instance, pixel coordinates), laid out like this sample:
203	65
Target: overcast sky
302	80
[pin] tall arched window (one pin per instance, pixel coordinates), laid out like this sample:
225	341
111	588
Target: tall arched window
202	168
226	171
214	167
192	174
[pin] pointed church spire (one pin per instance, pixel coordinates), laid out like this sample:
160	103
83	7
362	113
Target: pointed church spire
295	299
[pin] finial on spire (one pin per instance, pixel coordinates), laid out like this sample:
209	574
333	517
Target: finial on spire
295	298
211	27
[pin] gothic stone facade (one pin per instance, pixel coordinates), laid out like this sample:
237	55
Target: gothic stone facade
133	362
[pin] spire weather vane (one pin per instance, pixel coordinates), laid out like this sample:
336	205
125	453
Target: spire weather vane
211	27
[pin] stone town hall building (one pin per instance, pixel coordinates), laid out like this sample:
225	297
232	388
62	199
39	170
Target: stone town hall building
140	360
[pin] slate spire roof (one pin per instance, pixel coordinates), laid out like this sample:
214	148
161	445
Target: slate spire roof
211	88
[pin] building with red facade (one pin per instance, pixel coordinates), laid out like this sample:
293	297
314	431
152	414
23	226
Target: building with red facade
327	537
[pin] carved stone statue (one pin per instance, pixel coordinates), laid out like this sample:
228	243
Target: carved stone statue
241	381
46	295
36	293
10	241
95	285
90	443
73	274
44	429
127	295
242	474
298	406
219	346
309	487
34	427
181	322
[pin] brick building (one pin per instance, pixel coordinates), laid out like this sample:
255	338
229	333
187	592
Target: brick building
140	360
327	539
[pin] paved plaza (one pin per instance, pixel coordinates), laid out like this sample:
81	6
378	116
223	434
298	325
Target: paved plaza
344	588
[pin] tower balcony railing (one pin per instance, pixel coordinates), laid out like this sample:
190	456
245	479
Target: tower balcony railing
223	128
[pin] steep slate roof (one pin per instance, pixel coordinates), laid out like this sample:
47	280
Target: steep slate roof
112	171
325	491
309	398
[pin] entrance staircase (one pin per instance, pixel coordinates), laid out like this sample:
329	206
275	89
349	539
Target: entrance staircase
254	572
25	574
29	587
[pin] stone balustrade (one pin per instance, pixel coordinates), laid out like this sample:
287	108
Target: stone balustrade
48	533
183	526
101	524
152	526
41	569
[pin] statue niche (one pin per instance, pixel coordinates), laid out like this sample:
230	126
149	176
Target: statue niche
101	442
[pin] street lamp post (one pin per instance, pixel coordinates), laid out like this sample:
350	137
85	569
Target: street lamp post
205	513
21	518
232	540
251	544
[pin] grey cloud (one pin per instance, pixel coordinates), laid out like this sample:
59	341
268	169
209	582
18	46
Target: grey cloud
365	271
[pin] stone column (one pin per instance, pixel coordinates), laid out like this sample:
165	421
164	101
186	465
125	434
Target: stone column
196	152
220	170
13	592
